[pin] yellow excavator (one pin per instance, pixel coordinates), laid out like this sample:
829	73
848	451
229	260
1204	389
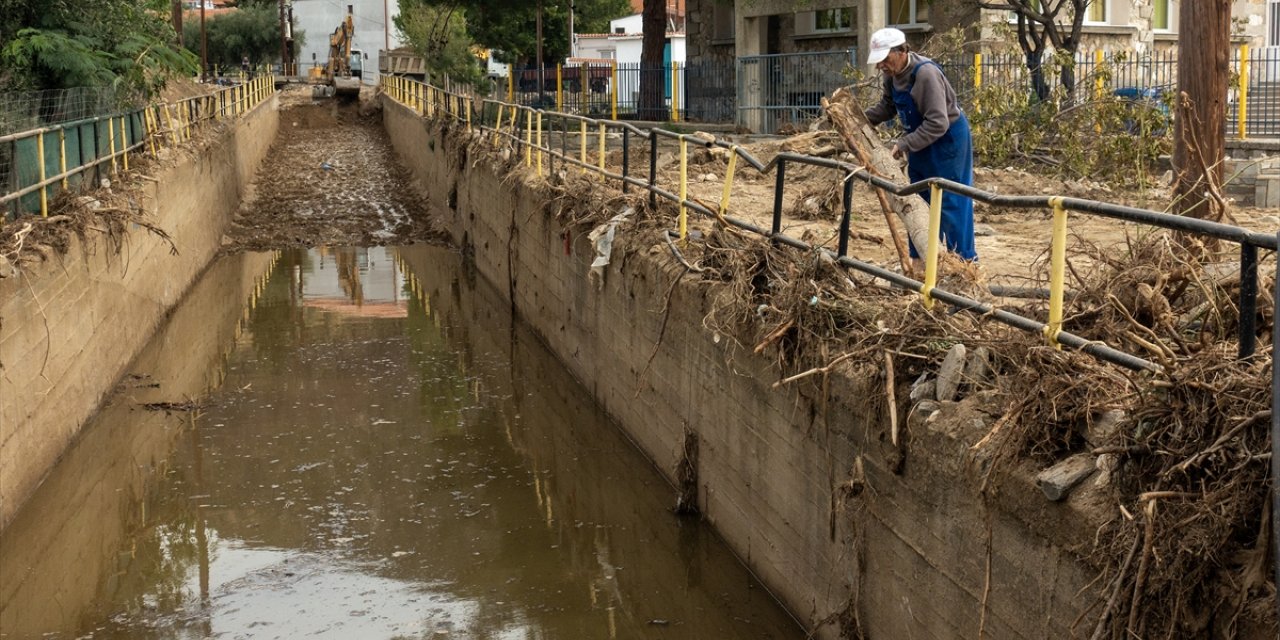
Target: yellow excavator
343	70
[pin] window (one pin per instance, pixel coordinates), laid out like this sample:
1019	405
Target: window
1160	15
1273	23
832	20
908	12
722	21
1096	12
826	21
608	54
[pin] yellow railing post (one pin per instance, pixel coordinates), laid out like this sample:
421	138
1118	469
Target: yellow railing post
111	144
675	93
613	90
1242	106
539	119
931	251
511	83
149	121
44	193
497	129
124	143
684	186
62	156
559	87
602	132
1098	61
1057	271
466	105
173	131
528	139
582	149
977	81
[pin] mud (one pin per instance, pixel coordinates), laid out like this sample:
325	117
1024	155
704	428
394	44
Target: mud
330	178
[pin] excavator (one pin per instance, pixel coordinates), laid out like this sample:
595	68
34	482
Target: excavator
343	70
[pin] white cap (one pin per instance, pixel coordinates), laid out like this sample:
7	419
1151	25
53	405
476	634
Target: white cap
884	40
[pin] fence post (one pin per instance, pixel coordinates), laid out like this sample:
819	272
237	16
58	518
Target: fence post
62	156
1243	104
559	87
44	194
613	94
511	83
675	92
977	80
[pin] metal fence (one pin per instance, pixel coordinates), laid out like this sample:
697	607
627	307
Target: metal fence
777	90
701	92
22	110
771	93
38	164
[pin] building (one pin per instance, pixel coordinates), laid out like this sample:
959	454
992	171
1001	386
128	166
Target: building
374	30
625	40
749	34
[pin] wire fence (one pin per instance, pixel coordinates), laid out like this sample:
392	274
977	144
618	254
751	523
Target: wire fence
23	110
39	163
776	92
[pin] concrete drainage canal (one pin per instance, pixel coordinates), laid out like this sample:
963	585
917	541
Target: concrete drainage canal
336	438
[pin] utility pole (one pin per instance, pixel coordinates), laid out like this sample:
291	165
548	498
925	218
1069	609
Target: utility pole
204	47
1201	112
284	42
541	80
573	40
177	20
386	27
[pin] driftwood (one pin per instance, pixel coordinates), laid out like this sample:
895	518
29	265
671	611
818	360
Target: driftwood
846	115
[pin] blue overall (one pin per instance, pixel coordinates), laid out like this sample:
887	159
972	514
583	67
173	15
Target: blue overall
949	157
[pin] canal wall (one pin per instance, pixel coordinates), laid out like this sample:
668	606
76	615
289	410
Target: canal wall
62	551
855	538
69	327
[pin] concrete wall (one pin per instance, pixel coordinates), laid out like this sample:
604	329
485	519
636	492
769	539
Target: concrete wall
907	557
69	328
63	550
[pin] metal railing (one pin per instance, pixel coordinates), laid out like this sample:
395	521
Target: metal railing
38	164
456	108
690	91
523	128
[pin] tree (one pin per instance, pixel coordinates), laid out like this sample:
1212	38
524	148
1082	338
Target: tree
652	72
1203	72
54	44
508	26
1039	25
440	36
253	31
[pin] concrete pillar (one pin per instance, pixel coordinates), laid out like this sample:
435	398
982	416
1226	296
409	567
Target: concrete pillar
872	15
751	39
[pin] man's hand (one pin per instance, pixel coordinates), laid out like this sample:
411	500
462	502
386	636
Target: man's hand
899	151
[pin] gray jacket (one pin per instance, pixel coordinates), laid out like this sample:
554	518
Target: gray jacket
934	97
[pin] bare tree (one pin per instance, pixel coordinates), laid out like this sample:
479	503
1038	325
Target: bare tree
1042	23
652	69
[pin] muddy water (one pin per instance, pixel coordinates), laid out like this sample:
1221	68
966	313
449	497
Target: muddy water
377	452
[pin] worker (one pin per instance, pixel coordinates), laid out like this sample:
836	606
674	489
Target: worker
936	141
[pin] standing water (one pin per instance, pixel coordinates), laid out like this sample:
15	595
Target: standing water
369	447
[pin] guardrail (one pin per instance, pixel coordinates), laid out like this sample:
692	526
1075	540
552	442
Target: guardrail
509	121
37	174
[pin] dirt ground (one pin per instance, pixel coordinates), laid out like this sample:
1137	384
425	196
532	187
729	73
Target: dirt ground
331	178
1012	244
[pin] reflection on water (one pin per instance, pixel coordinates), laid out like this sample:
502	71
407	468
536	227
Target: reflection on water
387	456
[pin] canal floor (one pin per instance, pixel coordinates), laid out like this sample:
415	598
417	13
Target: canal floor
362	443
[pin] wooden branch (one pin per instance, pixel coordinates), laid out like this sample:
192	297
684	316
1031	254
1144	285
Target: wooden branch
858	135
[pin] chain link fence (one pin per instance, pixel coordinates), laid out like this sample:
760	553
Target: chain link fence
25	110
